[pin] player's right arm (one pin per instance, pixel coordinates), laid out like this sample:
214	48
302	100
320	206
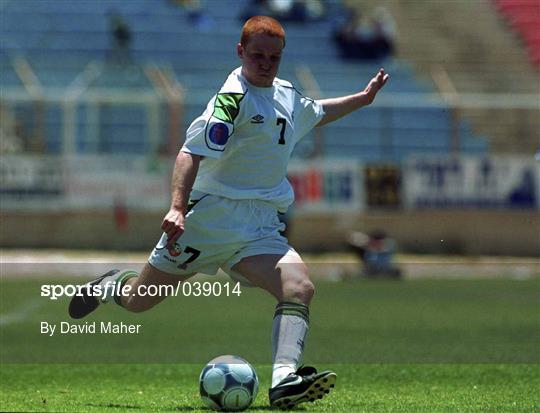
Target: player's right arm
207	136
186	167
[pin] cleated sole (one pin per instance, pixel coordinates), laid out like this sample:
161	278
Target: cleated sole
318	389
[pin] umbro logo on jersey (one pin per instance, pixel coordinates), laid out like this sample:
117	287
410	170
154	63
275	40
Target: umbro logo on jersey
257	119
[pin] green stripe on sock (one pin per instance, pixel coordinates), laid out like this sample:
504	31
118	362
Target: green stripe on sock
291	308
123	276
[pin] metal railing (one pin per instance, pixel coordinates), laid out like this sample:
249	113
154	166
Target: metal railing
164	106
80	107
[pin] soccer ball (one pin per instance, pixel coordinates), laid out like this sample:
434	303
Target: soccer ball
228	383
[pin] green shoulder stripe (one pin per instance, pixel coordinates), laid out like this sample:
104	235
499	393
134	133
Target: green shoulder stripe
227	106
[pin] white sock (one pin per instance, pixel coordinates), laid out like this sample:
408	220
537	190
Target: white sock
280	371
113	283
289	330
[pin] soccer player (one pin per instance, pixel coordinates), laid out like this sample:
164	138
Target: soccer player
228	184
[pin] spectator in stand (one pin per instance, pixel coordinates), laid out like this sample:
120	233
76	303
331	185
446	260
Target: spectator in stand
352	37
120	38
385	31
255	8
285	10
196	13
366	38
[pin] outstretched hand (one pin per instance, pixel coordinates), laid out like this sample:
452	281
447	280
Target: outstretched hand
375	85
335	108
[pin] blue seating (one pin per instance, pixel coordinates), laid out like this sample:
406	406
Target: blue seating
55	73
54	118
59	38
8	75
122	129
122	77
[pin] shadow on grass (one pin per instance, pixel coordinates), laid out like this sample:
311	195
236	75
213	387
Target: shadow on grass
254	408
182	408
135	407
114	406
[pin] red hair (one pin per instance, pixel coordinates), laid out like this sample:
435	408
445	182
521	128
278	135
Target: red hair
262	24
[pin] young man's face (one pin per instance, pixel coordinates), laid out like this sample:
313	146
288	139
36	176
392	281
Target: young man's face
260	59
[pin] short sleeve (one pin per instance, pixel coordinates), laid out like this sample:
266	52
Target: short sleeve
307	114
209	134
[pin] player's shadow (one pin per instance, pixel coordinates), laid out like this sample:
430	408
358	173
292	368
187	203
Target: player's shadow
135	407
114	406
183	408
255	408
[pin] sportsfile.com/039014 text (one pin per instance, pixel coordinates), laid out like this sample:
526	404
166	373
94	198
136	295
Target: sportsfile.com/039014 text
185	289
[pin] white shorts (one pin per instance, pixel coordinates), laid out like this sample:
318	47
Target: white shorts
218	233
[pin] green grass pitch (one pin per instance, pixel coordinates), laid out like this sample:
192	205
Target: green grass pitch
408	346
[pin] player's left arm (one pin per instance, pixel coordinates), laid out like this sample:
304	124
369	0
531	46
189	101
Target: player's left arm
335	108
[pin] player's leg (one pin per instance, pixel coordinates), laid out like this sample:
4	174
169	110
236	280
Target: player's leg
282	275
285	277
127	288
138	300
168	264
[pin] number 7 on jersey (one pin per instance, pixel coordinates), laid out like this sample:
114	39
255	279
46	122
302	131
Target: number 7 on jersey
283	123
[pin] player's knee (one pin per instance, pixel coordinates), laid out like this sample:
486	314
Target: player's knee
308	290
301	290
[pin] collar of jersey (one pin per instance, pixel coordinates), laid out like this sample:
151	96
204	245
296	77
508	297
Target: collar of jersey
268	91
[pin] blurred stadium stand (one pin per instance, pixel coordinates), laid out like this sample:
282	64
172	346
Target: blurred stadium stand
497	86
58	42
461	83
524	17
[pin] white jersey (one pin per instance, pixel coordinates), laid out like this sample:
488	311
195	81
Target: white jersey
247	135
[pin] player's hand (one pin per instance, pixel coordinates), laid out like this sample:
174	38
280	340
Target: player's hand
173	225
375	85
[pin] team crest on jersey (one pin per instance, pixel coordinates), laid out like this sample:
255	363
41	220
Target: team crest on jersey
221	124
217	134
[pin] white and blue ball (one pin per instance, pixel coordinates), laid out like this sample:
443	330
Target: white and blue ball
228	383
